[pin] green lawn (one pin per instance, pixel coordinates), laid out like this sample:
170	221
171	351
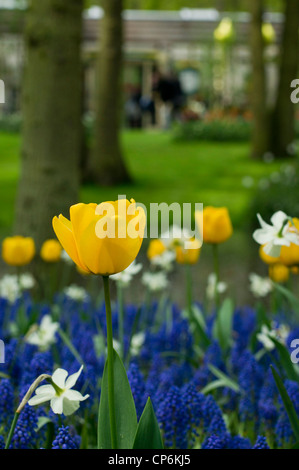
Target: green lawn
163	171
168	171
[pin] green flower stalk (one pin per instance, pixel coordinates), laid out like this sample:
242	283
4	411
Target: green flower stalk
110	354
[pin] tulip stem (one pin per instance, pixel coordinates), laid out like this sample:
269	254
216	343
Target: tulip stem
120	296
12	430
216	272
189	291
110	363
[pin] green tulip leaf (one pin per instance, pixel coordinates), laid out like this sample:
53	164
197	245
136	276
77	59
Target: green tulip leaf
125	411
293	300
285	360
226	380
148	435
288	404
222	331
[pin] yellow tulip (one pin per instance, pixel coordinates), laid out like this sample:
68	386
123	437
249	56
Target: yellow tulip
266	258
279	273
216	224
224	31
51	251
156	248
188	255
18	250
289	255
102	239
268	33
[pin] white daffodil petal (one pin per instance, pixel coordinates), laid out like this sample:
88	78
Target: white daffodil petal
45	389
263	224
292	237
278	219
272	250
59	377
38	399
70	406
72	379
262	236
57	405
281	242
74	395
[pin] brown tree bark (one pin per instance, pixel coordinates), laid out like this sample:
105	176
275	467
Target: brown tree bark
107	165
260	134
52	129
283	119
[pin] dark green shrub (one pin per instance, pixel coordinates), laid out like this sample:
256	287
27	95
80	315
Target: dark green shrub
218	130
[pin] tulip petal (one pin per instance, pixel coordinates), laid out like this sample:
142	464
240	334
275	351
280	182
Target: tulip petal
63	229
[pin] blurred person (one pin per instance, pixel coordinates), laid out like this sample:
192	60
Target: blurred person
169	91
133	112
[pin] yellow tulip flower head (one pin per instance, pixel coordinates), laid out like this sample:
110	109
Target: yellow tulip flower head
156	248
268	33
102	239
279	273
224	31
51	251
188	255
289	255
18	250
216	224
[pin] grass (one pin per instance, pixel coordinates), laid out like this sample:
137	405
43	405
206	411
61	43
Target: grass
163	171
168	171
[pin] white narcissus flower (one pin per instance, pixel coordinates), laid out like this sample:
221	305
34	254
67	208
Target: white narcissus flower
174	236
211	287
26	281
264	337
165	260
10	288
137	342
44	334
63	400
260	286
125	277
76	293
155	281
279	333
274	236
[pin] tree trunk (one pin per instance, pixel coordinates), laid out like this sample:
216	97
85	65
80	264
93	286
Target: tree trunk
260	135
107	164
283	120
52	129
